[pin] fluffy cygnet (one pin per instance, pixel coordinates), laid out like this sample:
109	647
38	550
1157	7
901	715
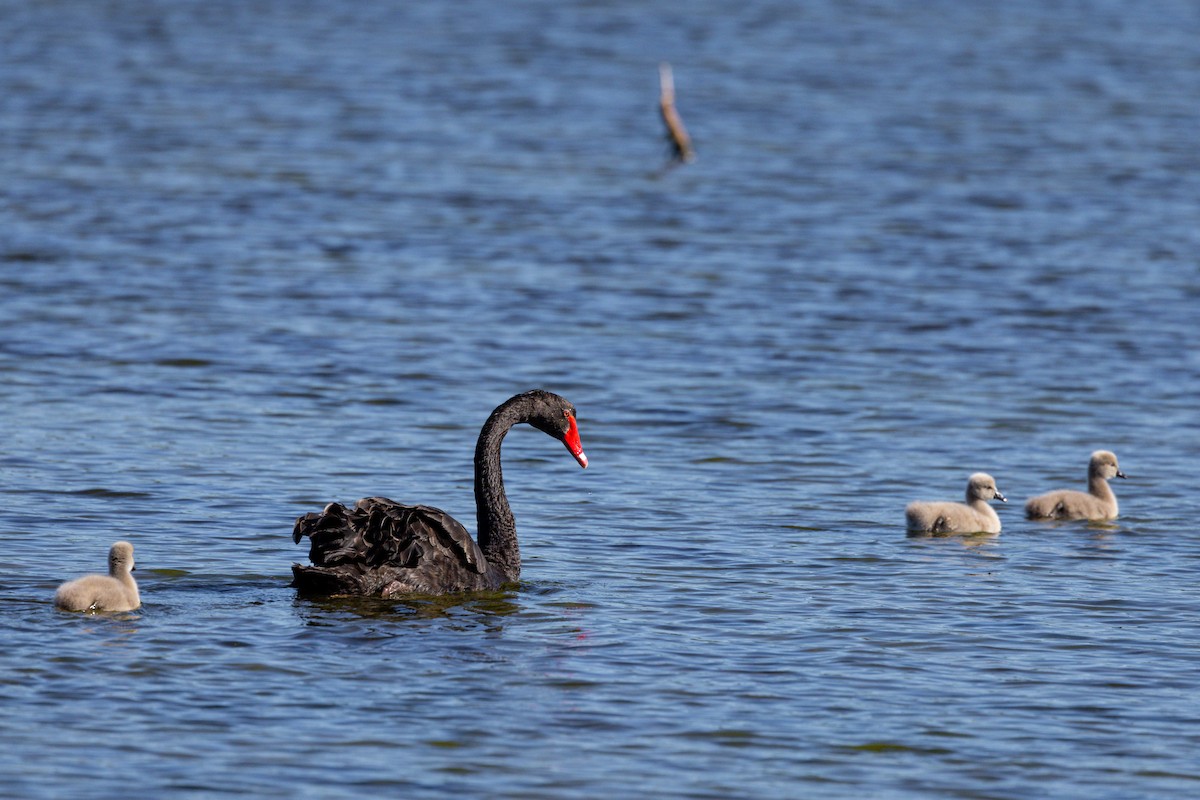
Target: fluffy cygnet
974	516
1098	502
116	591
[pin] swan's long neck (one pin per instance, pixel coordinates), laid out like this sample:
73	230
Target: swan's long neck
1098	487
496	531
131	588
120	570
983	507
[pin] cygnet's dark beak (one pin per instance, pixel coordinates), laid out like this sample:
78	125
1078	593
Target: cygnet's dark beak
1001	497
1120	474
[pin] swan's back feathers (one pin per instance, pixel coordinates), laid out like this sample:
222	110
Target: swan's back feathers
379	531
1069	504
384	547
97	593
946	517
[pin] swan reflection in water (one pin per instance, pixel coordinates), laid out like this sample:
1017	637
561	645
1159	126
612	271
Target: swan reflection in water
477	607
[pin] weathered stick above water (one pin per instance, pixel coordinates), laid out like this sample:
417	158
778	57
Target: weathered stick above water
681	143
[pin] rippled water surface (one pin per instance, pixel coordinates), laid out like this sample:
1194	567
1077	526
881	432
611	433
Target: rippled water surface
256	256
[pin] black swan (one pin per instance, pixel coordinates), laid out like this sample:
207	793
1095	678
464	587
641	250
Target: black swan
384	548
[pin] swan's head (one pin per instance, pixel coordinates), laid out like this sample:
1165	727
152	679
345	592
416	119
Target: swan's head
1104	464
983	486
120	558
555	415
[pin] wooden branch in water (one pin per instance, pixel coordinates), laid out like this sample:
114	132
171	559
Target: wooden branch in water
681	143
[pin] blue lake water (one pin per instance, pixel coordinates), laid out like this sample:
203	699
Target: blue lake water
256	256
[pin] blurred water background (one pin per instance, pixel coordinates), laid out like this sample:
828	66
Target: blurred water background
257	256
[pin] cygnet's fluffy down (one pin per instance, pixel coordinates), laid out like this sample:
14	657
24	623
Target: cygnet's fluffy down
1097	503
974	516
116	591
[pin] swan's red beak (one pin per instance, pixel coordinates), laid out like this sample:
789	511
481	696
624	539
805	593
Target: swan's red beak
571	440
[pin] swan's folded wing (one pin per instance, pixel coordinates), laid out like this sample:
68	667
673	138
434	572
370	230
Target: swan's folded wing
335	534
379	531
450	533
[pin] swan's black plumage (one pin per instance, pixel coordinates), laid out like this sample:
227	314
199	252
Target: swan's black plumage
380	547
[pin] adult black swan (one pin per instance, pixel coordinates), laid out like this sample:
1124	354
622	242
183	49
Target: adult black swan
384	548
